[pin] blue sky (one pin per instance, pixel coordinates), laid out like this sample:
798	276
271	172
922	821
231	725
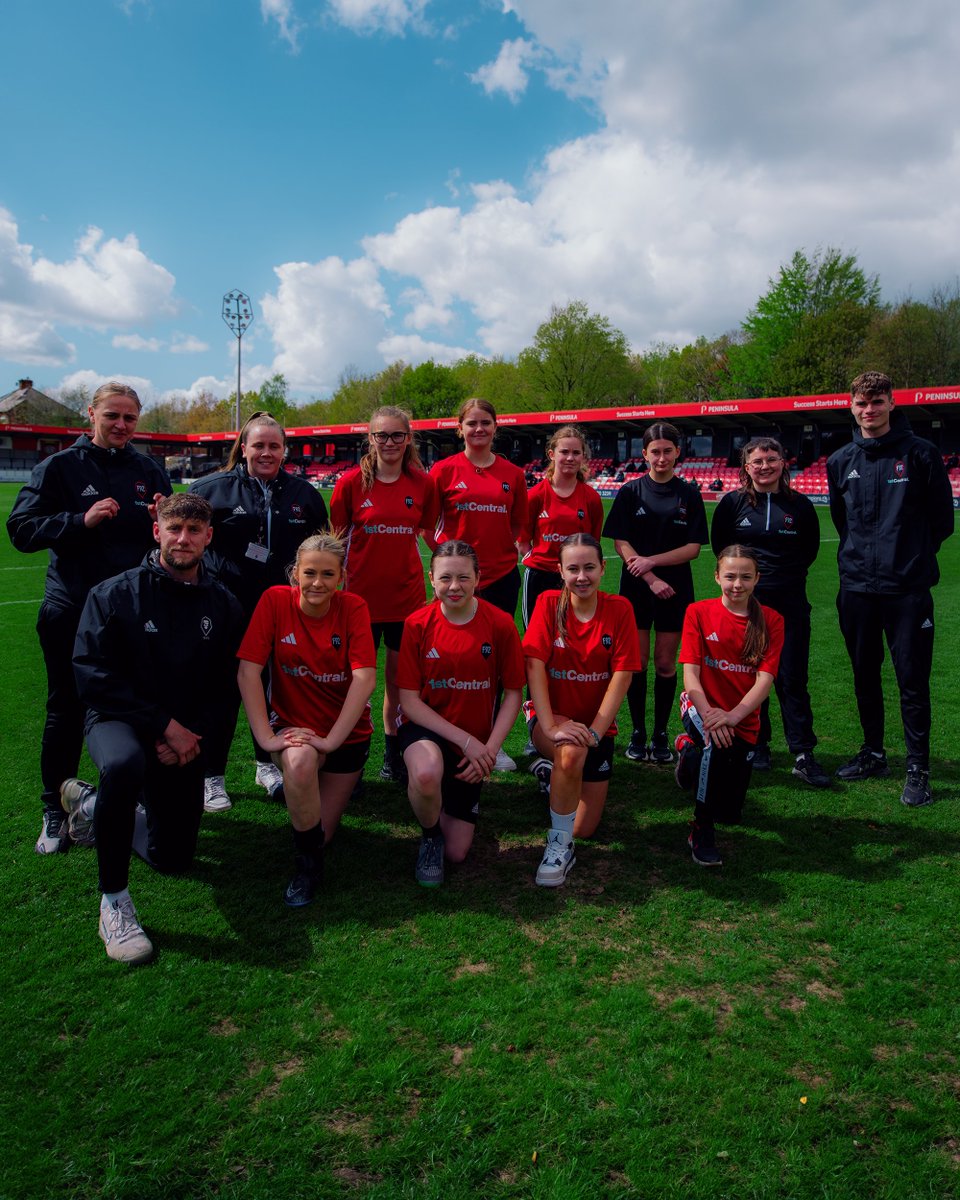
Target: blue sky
421	178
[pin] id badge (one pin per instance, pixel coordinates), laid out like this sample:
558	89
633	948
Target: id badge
257	552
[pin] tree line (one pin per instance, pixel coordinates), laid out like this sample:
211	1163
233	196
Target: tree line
819	324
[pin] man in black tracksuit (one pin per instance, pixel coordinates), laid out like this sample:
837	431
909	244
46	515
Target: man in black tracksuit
891	502
154	662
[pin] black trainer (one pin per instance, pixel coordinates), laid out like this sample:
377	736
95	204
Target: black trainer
308	877
809	770
867	764
688	761
394	770
761	757
703	846
659	751
916	791
637	750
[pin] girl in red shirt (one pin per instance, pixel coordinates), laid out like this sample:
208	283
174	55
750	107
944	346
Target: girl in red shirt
323	668
581	650
456	654
380	506
730	650
562	503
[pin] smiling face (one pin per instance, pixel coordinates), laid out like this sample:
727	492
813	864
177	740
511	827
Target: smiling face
581	569
262	450
661	455
478	429
454	580
872	413
113	421
389	439
765	467
737	578
567	457
317	575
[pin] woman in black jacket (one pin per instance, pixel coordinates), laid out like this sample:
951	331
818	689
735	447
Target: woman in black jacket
782	526
261	514
89	507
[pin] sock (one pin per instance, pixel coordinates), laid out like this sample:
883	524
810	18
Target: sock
637	702
113	898
432	832
391	750
563	821
308	841
664	694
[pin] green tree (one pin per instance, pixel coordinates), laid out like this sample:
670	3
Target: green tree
429	390
577	360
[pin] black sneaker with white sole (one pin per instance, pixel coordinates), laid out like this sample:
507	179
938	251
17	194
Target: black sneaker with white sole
761	757
703	846
659	751
916	790
865	764
637	750
809	770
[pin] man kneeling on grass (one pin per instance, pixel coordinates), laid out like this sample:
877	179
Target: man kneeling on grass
154	662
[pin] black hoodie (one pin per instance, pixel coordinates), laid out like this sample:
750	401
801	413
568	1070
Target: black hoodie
891	501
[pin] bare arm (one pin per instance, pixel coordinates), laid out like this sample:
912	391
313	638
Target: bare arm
255	705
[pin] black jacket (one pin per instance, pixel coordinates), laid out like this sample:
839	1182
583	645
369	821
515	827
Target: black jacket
150	648
891	502
239	517
48	515
782	528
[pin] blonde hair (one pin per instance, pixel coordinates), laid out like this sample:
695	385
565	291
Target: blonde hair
258	418
570	431
106	390
327	541
411	455
757	638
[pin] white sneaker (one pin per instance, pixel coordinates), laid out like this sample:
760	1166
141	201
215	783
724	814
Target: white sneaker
77	799
557	860
271	778
54	836
215	798
122	933
504	761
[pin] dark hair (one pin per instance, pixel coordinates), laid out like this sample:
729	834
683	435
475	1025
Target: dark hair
411	456
184	506
257	418
745	482
571	431
456	549
661	431
757	638
872	383
569	543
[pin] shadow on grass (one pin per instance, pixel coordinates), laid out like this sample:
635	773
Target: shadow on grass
369	867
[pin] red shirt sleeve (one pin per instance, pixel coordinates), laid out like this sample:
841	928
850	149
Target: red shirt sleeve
520	514
691	642
257	644
626	641
341	508
408	665
360	647
513	672
538	640
594	511
771	660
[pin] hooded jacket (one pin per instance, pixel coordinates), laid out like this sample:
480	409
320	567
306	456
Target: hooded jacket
782	528
891	501
48	515
150	647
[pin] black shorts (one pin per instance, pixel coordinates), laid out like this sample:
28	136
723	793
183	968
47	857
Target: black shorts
666	616
391	631
721	782
350	757
598	765
502	593
535	582
457	798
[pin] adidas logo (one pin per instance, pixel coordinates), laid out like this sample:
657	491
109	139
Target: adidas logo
854	474
367	504
544	516
433	653
558	641
713	637
89	490
289	640
461	486
240	511
149	627
927	624
604	766
745	523
641	511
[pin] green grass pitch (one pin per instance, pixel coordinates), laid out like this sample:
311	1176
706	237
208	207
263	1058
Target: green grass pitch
788	1026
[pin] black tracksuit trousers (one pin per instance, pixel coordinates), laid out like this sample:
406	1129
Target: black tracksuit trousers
791	683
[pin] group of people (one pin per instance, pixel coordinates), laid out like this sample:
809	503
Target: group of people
163	613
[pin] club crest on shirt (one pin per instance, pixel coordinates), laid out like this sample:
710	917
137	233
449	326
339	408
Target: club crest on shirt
296	510
788	520
206	627
486	649
580	514
140	488
408	501
899	467
335	641
606	641
505	486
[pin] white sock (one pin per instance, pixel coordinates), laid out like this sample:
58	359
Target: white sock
114	898
563	821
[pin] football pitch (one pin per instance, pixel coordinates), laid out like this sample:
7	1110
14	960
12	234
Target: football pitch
787	1026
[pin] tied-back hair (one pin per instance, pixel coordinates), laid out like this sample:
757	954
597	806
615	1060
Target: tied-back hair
745	482
570	431
456	549
757	639
114	388
260	417
563	603
326	541
662	431
411	455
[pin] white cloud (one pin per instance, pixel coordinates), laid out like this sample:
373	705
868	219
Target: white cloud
25	339
91	380
376	16
133	341
282	11
413	349
186	343
509	71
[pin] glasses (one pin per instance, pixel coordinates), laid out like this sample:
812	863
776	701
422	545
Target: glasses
764	462
381	438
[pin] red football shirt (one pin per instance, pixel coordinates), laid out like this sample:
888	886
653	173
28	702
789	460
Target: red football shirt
312	659
553	518
713	639
383	563
581	663
457	669
482	506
